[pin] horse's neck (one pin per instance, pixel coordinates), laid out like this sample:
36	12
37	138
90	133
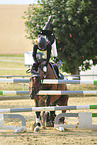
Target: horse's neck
50	74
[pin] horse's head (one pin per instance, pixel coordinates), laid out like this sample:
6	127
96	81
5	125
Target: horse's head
35	81
35	85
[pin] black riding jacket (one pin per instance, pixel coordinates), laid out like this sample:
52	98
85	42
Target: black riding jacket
50	37
48	48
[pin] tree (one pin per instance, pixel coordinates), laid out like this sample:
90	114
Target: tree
74	25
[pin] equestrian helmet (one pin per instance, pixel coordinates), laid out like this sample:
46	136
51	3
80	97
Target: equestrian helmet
41	41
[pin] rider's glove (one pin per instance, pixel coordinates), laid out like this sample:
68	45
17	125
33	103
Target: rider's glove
34	67
44	68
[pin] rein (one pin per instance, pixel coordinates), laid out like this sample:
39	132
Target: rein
34	75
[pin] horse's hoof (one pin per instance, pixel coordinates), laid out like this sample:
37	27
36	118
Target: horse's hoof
31	96
44	127
36	126
36	129
52	125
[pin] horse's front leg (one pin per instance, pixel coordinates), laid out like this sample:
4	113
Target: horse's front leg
37	124
31	88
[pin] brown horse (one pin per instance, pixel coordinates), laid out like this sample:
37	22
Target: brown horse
35	85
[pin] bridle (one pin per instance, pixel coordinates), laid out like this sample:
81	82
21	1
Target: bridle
35	75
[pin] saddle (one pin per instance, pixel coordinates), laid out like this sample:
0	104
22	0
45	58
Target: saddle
55	69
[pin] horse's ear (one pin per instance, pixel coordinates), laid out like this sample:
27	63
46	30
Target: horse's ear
30	78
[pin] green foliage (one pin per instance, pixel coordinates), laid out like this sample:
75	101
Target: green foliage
74	25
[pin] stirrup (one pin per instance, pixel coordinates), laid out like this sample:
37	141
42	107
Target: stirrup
59	63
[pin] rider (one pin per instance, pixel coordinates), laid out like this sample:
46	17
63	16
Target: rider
45	44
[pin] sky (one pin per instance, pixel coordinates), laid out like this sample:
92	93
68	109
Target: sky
17	1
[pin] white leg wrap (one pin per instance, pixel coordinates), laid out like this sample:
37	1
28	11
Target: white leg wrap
45	69
37	120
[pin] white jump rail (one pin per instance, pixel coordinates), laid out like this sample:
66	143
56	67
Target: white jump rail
50	81
49	108
47	92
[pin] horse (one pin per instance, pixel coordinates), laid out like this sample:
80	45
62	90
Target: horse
53	100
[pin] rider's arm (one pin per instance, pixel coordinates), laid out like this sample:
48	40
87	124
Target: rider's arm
48	53
48	33
54	49
35	52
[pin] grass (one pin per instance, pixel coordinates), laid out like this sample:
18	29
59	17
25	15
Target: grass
81	87
12	68
12	55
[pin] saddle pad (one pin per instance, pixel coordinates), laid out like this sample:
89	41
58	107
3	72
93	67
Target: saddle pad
55	69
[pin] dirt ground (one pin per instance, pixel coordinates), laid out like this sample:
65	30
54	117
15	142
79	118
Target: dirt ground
49	135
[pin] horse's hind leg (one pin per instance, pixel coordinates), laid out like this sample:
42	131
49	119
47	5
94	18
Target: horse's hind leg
65	98
63	101
43	119
47	114
52	117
